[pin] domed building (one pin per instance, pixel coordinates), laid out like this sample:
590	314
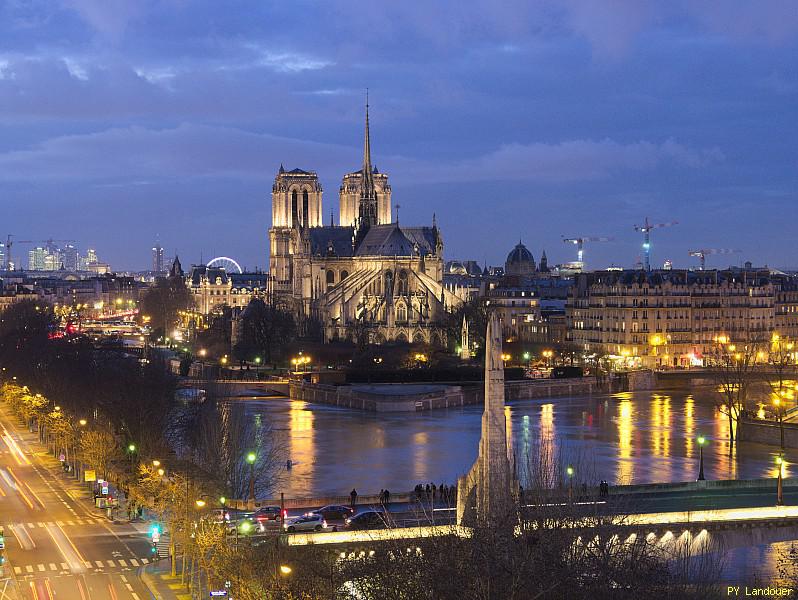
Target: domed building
520	261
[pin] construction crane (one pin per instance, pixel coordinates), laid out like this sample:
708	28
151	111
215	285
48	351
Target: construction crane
10	242
646	228
580	244
704	252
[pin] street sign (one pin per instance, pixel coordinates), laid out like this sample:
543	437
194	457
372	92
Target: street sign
89	475
61	457
105	490
217	593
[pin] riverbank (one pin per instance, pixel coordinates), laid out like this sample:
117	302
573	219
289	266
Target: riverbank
397	397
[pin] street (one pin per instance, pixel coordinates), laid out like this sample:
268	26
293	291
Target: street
57	545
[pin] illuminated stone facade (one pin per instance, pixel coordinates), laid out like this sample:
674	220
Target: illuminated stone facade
367	274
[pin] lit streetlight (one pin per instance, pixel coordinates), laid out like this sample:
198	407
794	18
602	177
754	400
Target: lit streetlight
701	441
779	488
251	458
569	470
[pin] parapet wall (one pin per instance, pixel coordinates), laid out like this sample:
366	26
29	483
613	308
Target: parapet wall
448	396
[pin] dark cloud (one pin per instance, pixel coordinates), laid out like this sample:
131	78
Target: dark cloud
552	117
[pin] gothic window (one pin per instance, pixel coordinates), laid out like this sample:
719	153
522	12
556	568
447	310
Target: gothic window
330	278
344	275
403	283
294	210
401	313
305	211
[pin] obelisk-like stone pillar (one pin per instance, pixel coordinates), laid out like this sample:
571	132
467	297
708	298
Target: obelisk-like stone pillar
485	493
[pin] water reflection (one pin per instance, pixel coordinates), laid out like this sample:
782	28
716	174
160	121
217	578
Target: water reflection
627	438
689	425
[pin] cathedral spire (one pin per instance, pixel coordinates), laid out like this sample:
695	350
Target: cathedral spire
367	207
367	142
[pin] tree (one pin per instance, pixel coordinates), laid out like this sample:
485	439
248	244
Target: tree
218	437
475	311
266	331
734	368
99	449
163	302
25	331
781	361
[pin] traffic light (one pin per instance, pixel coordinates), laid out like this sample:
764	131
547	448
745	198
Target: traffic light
154	548
155	532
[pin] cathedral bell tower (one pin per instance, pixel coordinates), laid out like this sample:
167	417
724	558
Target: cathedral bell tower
296	207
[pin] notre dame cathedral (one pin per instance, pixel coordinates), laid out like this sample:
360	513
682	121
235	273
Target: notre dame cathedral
367	272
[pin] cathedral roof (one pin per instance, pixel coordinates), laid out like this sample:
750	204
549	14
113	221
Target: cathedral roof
299	172
392	240
337	238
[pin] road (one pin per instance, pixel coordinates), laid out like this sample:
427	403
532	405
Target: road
58	546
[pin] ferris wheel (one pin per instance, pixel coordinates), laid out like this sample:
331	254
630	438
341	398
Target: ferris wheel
228	264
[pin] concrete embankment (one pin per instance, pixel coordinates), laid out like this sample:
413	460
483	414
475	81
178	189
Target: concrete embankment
645	489
419	397
768	432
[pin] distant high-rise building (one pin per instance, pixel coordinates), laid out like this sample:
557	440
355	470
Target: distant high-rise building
157	259
36	259
3	257
69	258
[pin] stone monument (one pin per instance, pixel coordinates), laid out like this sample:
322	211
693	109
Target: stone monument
487	491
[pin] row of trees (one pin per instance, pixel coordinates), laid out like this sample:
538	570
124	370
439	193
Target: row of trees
118	415
764	362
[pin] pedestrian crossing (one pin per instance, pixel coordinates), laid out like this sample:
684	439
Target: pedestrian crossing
65	523
97	565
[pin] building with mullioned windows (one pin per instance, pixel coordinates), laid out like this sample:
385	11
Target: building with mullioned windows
675	317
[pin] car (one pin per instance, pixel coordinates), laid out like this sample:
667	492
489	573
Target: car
333	512
268	513
309	522
245	525
369	519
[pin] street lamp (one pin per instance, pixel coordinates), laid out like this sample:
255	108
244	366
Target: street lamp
569	470
285	569
200	503
701	441
251	458
779	488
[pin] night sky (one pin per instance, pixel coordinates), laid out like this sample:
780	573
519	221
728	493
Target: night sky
121	121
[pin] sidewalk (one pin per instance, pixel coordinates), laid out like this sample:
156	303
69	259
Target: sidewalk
158	579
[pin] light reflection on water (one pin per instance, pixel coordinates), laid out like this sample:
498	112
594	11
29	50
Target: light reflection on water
639	437
635	437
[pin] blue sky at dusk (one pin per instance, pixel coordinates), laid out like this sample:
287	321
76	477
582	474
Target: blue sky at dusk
121	121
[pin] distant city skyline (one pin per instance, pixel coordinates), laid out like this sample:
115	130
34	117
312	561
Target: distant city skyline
124	122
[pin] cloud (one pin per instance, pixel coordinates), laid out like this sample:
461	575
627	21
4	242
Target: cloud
574	160
136	154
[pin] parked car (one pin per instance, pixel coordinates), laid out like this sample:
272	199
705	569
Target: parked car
369	519
333	512
268	513
309	522
246	525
